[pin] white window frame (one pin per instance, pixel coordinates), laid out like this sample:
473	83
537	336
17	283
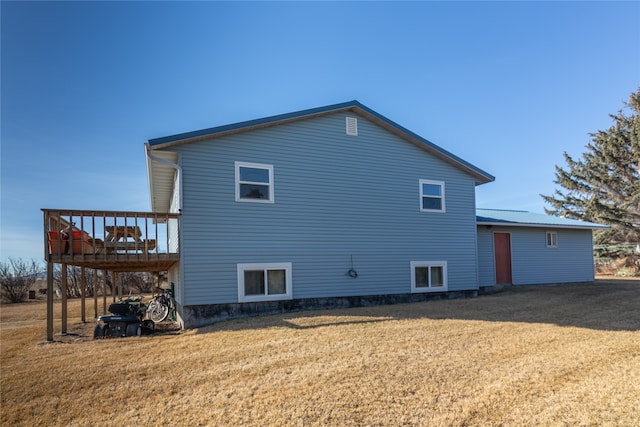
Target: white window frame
442	198
286	266
551	239
269	168
429	264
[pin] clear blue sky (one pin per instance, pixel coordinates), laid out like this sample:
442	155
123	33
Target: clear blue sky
507	86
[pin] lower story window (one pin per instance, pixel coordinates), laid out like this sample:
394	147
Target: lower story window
264	282
428	276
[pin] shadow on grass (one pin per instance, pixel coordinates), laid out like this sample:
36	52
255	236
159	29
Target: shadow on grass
607	305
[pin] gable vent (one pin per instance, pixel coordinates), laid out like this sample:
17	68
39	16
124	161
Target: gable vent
352	126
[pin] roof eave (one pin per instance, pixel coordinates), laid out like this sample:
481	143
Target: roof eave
481	176
150	179
538	225
247	126
160	198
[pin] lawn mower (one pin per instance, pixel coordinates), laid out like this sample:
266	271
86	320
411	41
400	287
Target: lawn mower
126	320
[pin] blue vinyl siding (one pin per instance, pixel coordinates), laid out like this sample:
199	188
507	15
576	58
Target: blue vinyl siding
486	259
532	262
336	197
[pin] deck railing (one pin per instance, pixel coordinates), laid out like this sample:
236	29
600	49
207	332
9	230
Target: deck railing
80	235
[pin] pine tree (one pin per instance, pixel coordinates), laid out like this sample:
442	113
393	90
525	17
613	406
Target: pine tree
604	185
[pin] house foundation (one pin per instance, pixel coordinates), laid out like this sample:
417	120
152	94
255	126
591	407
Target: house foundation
194	316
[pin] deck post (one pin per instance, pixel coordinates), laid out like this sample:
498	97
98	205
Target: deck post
49	301
120	280
95	294
83	292
64	299
104	291
114	286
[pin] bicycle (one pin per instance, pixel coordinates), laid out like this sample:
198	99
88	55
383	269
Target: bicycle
161	305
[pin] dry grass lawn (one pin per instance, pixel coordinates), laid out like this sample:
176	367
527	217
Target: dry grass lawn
552	355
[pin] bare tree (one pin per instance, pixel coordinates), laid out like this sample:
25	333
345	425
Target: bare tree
131	282
74	281
16	278
138	282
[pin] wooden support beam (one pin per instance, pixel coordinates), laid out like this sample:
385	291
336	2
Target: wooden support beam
95	294
83	293
49	301
120	280
104	291
64	299
113	285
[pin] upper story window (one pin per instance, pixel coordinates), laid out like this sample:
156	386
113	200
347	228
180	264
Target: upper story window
254	182
552	239
431	196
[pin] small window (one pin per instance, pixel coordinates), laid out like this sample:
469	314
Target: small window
552	239
431	196
254	182
352	126
428	276
264	282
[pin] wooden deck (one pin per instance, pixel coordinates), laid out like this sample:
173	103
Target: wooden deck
120	262
112	242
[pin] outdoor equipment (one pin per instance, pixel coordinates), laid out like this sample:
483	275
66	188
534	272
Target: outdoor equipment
126	320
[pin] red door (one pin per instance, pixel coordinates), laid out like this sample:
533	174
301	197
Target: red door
502	248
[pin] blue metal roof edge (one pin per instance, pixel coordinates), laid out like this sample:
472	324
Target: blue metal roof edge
427	142
314	111
553	222
252	123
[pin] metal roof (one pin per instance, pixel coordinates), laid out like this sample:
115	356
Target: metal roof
514	218
481	176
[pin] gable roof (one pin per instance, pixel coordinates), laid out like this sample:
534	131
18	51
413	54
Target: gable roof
513	218
480	176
